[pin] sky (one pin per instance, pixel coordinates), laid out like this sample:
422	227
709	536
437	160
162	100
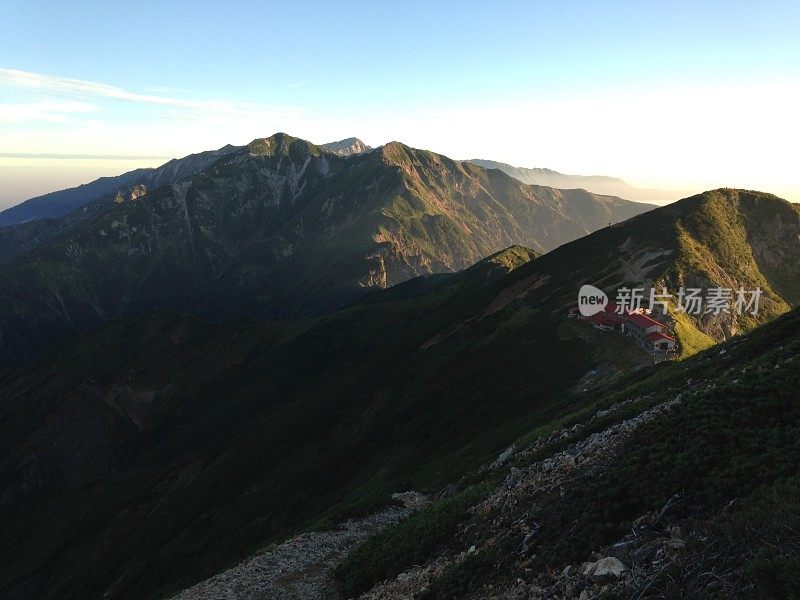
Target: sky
672	95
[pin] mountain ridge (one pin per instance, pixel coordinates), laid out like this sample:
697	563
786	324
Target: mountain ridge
62	202
279	228
58	203
721	238
621	497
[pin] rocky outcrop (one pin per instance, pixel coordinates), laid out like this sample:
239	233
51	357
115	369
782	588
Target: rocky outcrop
605	567
133	194
138	191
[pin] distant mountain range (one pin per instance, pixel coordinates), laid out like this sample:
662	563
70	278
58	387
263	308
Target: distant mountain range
60	203
598	184
280	228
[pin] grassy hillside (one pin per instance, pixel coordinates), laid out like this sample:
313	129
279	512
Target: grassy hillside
746	239
722	238
710	483
243	434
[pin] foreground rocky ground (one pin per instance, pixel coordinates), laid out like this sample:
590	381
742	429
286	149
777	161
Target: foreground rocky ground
298	567
603	575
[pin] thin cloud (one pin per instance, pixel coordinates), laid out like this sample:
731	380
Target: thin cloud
64	86
48	111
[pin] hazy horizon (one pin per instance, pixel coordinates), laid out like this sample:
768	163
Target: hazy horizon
32	176
686	97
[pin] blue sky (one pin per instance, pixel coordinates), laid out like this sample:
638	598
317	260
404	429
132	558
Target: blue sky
675	95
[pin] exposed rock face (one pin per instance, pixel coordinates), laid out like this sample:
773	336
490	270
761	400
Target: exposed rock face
134	193
138	191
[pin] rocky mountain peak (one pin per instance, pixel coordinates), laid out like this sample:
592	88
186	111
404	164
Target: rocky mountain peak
395	153
281	144
347	147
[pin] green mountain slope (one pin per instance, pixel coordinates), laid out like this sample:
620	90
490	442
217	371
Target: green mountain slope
280	229
162	448
722	238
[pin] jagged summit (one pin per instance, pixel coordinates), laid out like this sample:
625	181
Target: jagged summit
347	147
60	203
